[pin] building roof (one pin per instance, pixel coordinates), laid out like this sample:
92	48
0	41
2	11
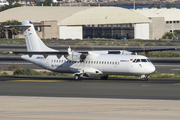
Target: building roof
74	15
169	14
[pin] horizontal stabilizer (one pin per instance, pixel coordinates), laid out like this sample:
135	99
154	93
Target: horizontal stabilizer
10	26
41	53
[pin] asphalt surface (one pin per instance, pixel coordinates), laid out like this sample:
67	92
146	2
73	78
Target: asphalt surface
124	88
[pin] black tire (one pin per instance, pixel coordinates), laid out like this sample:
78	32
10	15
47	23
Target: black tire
145	79
104	77
77	77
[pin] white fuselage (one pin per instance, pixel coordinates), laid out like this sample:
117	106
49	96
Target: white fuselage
101	65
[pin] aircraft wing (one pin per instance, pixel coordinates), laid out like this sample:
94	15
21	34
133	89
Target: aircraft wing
86	52
140	50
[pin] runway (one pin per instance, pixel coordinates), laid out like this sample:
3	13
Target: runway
50	98
121	88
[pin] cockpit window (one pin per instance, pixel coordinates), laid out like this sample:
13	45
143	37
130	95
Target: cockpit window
134	60
138	60
148	60
143	60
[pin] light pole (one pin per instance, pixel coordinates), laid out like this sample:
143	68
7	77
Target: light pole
134	4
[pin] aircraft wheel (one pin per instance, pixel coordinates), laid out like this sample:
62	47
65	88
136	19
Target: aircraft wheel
145	79
77	77
104	77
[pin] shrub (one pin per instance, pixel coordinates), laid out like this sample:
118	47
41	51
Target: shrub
4	74
25	72
14	67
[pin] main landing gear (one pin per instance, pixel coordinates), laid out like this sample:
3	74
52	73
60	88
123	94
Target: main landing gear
144	77
104	77
77	77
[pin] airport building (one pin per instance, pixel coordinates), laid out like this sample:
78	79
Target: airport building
96	22
3	2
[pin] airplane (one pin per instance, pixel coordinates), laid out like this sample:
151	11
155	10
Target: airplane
85	63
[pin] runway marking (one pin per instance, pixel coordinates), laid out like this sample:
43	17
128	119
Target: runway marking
149	85
176	83
38	80
162	84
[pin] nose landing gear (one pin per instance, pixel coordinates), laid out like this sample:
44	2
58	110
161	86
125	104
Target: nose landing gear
144	77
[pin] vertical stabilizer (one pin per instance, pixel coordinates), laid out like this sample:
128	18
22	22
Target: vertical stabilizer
33	42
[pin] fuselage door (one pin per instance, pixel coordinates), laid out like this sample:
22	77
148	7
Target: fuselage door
47	63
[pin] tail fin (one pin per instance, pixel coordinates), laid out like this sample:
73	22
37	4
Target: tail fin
33	42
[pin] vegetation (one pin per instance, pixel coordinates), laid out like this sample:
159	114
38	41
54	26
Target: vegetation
5	7
154	6
176	33
18	71
99	41
15	30
30	72
167	35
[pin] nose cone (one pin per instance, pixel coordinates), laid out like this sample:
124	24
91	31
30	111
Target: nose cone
151	69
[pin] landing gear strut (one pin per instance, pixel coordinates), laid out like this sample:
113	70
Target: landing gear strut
144	77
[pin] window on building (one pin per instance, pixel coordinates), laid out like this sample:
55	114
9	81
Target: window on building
170	30
167	22
170	21
174	21
177	21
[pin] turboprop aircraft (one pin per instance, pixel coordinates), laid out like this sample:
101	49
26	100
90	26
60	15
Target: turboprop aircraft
85	63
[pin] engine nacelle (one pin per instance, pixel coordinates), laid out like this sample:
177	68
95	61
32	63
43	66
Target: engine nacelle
88	72
75	56
124	52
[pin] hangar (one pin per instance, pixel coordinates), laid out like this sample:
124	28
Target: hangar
163	20
83	22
